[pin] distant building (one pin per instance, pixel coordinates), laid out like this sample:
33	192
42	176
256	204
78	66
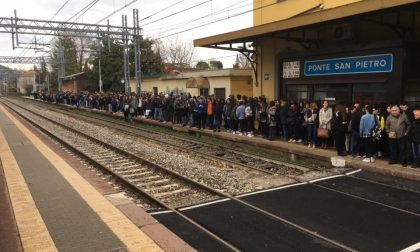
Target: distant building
26	82
221	83
74	82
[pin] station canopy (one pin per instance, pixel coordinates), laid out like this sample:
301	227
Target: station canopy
242	40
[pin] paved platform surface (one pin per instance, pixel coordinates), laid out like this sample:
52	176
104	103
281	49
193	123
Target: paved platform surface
360	211
54	207
9	235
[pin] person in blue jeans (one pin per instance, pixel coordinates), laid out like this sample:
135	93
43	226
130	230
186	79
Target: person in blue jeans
311	117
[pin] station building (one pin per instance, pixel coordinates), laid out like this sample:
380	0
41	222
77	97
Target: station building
73	83
221	83
365	51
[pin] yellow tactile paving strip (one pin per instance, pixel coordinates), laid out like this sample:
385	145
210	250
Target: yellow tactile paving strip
33	233
133	238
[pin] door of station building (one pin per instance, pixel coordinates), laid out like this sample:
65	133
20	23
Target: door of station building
220	93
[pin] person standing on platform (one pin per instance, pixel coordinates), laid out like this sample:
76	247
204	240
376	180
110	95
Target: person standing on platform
200	110
397	127
311	118
368	122
249	118
210	112
292	122
339	128
356	115
272	120
415	137
325	116
240	114
218	113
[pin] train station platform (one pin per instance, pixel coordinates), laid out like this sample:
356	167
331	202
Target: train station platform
49	201
293	149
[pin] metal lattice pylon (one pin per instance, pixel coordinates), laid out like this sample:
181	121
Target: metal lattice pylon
16	26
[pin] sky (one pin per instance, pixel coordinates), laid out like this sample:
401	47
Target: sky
158	20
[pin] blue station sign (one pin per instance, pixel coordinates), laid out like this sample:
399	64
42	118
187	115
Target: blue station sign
381	63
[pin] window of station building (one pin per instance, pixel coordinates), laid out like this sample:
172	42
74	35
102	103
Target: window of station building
297	92
412	92
335	93
372	93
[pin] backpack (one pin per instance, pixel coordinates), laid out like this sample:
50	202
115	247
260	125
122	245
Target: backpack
248	111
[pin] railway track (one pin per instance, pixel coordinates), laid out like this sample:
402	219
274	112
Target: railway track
164	188
154	181
236	158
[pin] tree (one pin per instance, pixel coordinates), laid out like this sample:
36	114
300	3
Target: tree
71	63
215	64
41	73
112	65
151	59
177	52
202	65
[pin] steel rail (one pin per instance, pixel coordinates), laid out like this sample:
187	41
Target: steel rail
136	131
258	209
122	180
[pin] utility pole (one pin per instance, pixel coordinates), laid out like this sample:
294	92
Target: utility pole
100	77
61	67
137	50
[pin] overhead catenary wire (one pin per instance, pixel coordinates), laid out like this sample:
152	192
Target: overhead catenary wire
83	10
189	23
220	11
161	10
56	13
176	13
215	21
116	11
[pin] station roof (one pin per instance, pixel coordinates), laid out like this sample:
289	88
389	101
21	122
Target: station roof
311	18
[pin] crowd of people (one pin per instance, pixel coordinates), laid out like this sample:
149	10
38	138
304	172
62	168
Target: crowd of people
365	132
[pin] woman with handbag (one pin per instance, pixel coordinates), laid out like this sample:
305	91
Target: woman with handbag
325	116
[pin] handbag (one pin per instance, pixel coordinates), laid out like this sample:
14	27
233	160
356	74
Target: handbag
323	133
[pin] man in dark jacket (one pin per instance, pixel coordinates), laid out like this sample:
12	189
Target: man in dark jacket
355	125
415	137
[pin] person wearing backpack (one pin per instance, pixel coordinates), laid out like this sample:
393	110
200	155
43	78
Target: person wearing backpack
249	119
272	120
263	117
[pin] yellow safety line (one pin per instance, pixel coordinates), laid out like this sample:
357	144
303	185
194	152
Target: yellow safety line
132	237
33	232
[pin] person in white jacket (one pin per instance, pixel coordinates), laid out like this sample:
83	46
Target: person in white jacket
325	116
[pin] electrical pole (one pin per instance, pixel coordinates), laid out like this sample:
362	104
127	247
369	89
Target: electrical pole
100	77
137	50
